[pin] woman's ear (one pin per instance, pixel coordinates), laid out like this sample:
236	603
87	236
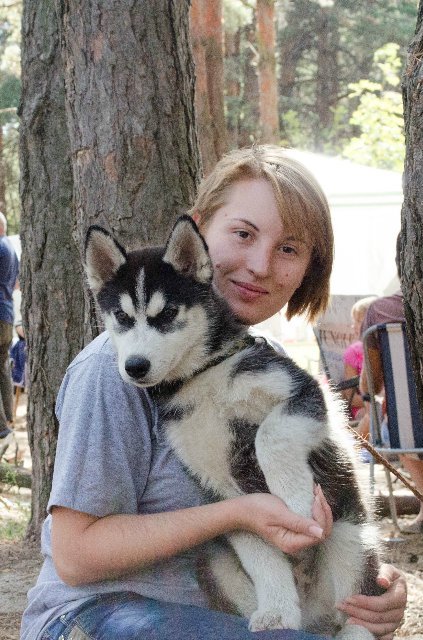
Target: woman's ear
196	217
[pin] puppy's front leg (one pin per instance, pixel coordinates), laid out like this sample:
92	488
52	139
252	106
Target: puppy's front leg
278	604
283	443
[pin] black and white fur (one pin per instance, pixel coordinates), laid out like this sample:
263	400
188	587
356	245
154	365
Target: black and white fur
242	419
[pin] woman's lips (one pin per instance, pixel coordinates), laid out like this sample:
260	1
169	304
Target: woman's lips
249	292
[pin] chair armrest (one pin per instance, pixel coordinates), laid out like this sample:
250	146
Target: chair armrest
347	384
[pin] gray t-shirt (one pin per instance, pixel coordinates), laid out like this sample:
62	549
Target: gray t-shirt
111	458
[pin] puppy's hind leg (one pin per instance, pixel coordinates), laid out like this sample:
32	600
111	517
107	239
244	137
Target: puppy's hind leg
271	572
344	556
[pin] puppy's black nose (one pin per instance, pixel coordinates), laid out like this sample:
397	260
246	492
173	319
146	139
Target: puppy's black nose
137	367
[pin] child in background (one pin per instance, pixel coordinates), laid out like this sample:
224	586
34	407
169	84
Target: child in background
353	361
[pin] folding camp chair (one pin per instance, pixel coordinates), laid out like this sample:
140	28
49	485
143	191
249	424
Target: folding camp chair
405	426
334	333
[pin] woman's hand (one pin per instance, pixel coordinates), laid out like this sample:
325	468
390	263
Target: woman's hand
381	615
269	517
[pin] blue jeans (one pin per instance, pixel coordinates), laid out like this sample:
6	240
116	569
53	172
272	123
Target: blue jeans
129	616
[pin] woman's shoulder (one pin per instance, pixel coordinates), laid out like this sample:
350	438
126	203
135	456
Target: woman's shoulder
100	347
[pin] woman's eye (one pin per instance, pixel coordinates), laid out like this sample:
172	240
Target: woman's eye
243	234
288	250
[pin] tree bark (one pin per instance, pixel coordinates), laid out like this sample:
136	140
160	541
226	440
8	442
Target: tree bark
130	91
2	175
250	122
327	71
202	105
233	86
268	86
412	209
213	37
207	41
51	274
114	144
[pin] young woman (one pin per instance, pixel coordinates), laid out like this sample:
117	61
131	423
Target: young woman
126	523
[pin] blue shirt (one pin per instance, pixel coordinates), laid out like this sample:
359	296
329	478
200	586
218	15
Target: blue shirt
9	269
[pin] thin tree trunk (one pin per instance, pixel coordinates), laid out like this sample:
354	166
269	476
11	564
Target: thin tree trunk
327	71
233	86
213	40
412	210
250	122
268	87
2	175
51	275
202	106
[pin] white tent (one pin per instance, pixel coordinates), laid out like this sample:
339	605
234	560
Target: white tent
366	212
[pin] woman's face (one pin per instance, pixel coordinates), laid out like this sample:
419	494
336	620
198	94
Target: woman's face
258	265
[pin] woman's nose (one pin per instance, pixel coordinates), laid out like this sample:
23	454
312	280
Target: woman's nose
260	261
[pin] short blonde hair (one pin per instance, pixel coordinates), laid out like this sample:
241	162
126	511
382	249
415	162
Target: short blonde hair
360	307
302	205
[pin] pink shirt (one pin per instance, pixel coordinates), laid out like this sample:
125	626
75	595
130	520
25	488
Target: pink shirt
353	356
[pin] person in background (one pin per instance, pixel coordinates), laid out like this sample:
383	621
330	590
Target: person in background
9	269
353	359
391	309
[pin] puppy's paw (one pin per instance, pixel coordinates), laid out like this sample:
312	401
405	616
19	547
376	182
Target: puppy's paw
354	632
274	619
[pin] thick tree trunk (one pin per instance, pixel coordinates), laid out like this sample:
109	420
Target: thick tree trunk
124	154
130	90
268	86
51	275
412	210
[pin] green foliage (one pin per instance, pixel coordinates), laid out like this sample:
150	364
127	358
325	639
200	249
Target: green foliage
237	13
10	93
354	31
379	114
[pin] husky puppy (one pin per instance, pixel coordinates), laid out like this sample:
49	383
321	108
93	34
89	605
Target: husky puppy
242	419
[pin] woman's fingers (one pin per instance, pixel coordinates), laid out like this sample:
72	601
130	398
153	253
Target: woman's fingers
381	615
321	511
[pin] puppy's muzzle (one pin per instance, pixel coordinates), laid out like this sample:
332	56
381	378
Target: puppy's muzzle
136	367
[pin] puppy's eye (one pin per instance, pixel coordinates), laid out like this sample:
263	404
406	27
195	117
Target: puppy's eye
123	318
169	313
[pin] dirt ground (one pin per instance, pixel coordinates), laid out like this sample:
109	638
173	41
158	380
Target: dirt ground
20	561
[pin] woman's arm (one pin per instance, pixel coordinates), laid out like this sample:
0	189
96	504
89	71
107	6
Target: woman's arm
383	614
89	549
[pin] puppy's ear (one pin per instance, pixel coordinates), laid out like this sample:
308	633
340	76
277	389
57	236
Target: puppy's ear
187	251
103	257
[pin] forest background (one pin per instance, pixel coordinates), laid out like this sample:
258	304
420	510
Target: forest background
321	75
